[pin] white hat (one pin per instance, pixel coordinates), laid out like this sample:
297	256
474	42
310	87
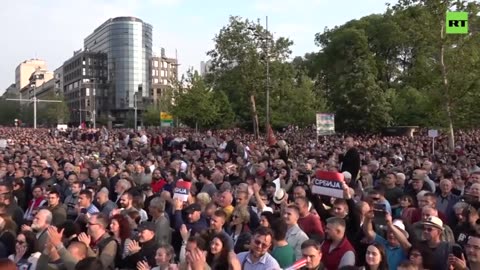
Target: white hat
399	224
434	222
279	196
347	175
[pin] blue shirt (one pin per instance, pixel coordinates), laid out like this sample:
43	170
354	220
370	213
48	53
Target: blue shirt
395	255
92	209
266	262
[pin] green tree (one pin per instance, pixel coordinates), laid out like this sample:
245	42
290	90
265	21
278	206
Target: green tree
239	66
9	110
450	60
225	114
359	102
197	105
151	116
53	113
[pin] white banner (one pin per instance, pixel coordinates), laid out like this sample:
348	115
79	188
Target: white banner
325	124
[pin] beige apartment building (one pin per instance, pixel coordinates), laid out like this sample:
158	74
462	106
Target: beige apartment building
25	69
35	85
164	73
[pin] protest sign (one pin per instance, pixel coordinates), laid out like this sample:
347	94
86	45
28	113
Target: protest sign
182	190
328	183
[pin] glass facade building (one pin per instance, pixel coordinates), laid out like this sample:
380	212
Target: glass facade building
127	41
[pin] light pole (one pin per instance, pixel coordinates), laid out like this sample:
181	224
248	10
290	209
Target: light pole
265	37
94	104
135	109
267	60
35	100
93	101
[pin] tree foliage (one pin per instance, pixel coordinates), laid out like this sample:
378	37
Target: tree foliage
197	105
239	70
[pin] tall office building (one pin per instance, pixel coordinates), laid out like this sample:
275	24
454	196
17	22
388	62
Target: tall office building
127	41
85	86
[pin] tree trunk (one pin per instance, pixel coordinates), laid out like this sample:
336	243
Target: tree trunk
256	130
448	105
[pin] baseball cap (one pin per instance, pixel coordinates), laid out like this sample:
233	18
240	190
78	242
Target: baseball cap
434	222
192	208
147	226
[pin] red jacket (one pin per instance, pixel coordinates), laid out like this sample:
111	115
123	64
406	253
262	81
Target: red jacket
157	185
332	259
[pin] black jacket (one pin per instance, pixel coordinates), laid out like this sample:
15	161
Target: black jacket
148	251
351	163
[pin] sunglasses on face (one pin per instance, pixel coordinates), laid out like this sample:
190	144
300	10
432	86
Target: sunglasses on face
20	242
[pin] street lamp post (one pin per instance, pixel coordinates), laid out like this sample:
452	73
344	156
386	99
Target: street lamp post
93	103
266	48
267	60
135	109
35	100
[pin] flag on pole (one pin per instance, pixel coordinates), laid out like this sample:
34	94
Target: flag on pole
271	136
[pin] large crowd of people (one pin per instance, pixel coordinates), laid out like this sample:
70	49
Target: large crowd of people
181	199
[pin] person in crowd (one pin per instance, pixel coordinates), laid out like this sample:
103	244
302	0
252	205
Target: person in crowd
8	231
164	259
25	256
59	211
145	247
282	251
163	232
432	232
308	222
421	257
337	250
295	236
218	257
106	206
240	230
99	242
258	257
396	244
376	258
121	231
40	224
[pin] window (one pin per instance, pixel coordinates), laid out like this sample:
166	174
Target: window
155	80
83	72
155	63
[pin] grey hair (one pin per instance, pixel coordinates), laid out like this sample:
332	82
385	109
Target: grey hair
460	206
158	203
48	215
125	183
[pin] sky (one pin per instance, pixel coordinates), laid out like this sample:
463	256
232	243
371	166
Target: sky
52	29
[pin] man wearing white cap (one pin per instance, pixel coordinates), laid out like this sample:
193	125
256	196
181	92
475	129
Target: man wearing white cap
432	232
396	245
